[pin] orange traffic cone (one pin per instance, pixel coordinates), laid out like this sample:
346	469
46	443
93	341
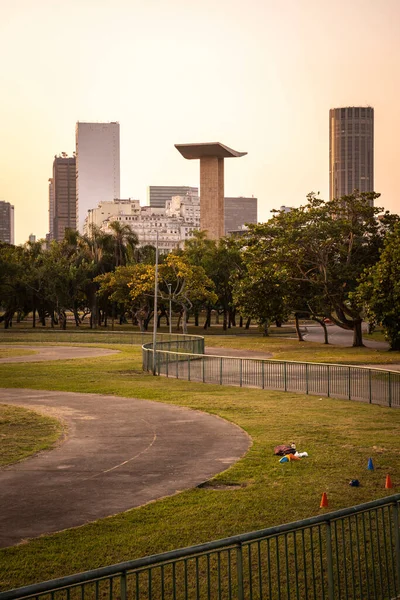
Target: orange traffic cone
324	501
388	483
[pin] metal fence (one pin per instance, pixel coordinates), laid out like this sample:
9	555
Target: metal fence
353	553
376	386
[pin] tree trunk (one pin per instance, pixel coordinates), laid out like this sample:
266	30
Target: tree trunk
248	323
34	316
184	320
207	322
299	334
196	317
323	325
241	322
357	334
147	320
266	328
178	325
225	320
76	316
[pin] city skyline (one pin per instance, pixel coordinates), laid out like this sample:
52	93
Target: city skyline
270	93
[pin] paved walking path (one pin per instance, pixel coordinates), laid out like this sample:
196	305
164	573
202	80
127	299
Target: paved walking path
119	453
340	337
43	353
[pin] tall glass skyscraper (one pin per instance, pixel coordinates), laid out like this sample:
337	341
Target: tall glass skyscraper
351	150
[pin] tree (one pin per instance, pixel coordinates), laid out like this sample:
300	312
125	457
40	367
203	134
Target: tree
124	241
379	289
117	287
326	245
221	261
189	283
260	290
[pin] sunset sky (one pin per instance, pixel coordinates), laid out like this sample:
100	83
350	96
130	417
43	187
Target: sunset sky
259	76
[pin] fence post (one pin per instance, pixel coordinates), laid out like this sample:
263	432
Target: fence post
166	365
285	376
349	384
263	374
241	372
306	378
220	371
239	570
203	369
158	362
123	593
329	382
329	561
370	386
390	390
188	367
396	525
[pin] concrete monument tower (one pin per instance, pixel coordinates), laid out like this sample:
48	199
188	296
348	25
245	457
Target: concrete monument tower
211	156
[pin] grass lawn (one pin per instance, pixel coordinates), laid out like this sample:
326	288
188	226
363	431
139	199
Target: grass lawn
9	352
339	436
24	432
291	349
281	347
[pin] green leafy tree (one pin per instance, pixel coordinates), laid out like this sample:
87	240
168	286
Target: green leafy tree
189	283
221	260
326	245
379	289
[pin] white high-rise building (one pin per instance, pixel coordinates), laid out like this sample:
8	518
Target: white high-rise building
97	166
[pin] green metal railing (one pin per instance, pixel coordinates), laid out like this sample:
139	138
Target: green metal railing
353	553
376	386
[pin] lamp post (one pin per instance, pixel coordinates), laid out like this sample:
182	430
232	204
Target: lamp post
169	286
155	308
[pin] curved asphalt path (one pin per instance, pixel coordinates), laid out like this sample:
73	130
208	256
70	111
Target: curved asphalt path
340	337
119	453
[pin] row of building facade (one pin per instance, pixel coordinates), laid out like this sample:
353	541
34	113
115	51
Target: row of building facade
89	179
84	190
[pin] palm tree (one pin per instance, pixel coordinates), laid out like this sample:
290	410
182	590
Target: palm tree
123	239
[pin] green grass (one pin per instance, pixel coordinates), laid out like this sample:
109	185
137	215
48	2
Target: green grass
377	336
291	349
24	432
10	352
339	435
282	348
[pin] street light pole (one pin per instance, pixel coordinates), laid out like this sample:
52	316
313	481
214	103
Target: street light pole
169	285
155	308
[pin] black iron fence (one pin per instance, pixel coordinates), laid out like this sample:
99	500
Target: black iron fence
353	553
376	386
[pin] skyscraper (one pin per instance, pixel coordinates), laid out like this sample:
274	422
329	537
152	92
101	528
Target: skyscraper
51	208
6	222
159	194
97	166
351	150
62	196
238	212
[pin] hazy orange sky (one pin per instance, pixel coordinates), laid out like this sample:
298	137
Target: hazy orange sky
259	76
